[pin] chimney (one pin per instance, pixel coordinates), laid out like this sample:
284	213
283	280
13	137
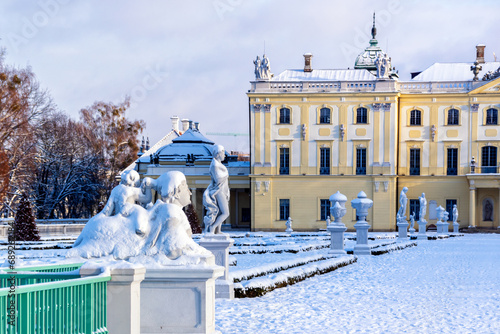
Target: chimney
480	53
175	123
307	64
185	124
197	126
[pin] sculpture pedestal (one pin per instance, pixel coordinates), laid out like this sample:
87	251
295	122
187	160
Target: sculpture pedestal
455	227
219	245
446	228
422	234
337	238
440	227
179	299
361	247
402	230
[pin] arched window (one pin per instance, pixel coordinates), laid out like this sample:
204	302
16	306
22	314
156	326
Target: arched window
453	115
285	116
362	116
415	117
324	116
491	116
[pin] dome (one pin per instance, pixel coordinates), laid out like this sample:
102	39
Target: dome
366	59
191	145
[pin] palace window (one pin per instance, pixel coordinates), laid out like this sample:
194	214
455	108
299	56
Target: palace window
415	208
362	116
491	116
415	117
285	116
284	209
414	161
325	208
453	117
284	161
452	162
449	208
324	161
489	159
361	161
324	116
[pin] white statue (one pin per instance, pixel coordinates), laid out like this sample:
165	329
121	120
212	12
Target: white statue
289	225
402	202
446	216
412	220
127	192
455	214
257	63
423	207
216	197
159	233
265	68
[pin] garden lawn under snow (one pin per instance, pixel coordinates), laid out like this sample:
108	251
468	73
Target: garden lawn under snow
441	286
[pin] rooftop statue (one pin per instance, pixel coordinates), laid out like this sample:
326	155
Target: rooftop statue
262	68
216	196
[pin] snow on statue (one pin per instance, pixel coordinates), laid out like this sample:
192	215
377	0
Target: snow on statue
216	197
127	230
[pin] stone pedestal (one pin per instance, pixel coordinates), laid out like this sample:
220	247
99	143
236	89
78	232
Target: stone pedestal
123	296
179	299
337	238
219	245
422	234
361	247
455	227
446	228
440	227
402	229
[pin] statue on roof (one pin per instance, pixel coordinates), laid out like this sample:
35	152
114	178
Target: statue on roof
383	64
262	68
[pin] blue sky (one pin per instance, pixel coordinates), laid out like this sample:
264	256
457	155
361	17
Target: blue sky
194	58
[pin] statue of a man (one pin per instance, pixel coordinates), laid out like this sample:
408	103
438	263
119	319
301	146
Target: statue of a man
455	214
257	64
423	207
412	220
402	203
266	68
216	197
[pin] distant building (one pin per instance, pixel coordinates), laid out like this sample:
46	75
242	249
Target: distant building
314	132
187	150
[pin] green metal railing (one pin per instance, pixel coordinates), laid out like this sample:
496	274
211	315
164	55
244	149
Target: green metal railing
56	268
54	303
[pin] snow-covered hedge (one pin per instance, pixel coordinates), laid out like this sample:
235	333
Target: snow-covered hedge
390	248
260	286
278	249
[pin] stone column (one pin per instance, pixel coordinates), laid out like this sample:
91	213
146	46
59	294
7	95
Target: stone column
193	198
361	204
179	299
422	234
219	245
402	228
472	205
337	228
123	297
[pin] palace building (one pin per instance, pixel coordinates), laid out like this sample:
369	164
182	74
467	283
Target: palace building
315	132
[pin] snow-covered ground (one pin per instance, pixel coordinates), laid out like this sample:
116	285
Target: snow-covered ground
441	286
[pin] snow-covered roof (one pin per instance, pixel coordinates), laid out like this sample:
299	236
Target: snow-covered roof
192	136
325	75
179	151
454	71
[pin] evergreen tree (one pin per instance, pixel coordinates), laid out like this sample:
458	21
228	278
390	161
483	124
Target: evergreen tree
24	223
193	219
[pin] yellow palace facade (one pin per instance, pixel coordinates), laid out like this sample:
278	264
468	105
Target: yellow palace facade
315	132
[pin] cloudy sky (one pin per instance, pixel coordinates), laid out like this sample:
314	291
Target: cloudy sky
193	58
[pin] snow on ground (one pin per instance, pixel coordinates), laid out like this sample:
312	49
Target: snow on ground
441	286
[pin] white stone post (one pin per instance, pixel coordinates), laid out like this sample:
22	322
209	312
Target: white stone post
179	299
219	245
455	227
402	228
337	228
361	204
123	296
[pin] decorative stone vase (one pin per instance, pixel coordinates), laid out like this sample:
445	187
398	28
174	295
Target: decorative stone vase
337	212
337	228
361	204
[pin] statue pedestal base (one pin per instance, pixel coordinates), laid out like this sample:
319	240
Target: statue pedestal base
179	299
442	228
337	238
402	230
422	234
361	247
456	226
219	245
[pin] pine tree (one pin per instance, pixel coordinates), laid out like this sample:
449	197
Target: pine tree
193	219
24	223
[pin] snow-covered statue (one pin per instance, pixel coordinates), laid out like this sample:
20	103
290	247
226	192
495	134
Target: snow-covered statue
383	64
127	192
402	204
455	214
262	68
412	220
216	196
289	225
423	207
158	234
